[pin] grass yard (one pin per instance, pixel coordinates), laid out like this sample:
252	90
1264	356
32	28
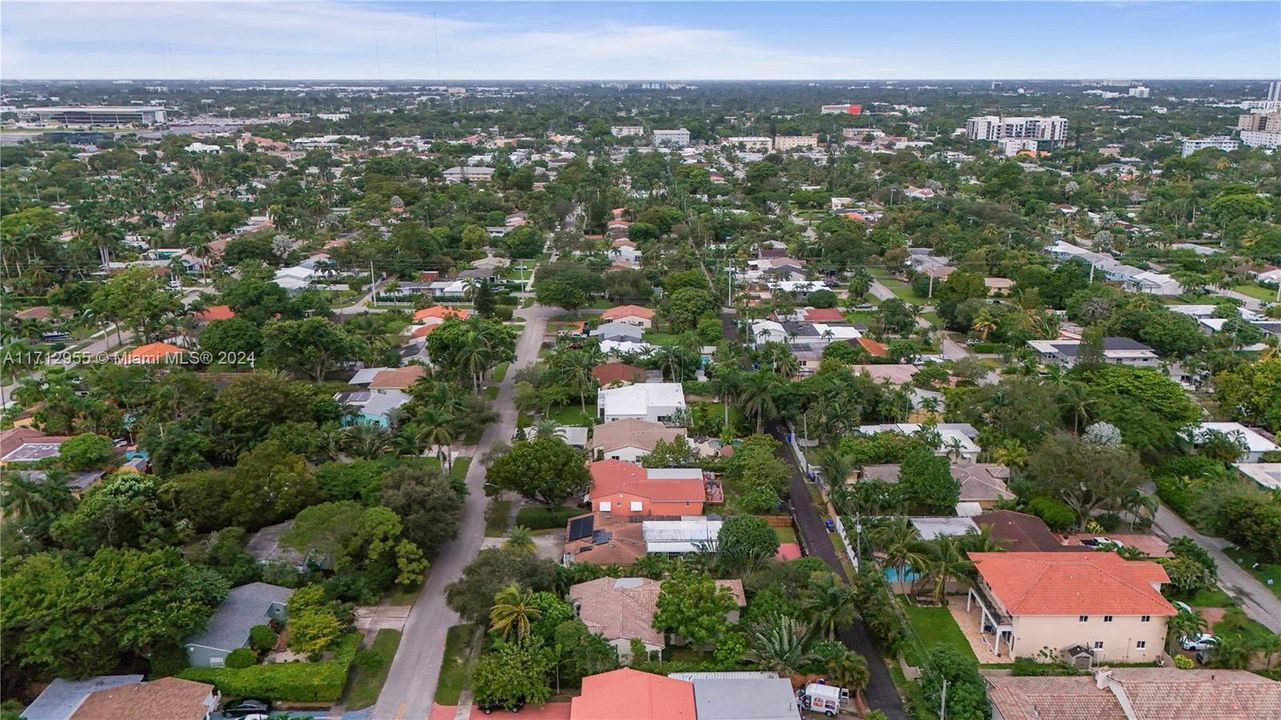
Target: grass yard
573	414
370	670
500	372
496	515
490	393
459	470
1258	292
1236	623
455	669
785	534
658	338
401	597
935	626
1267	573
1214	598
861	318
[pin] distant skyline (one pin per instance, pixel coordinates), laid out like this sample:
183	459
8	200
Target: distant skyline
640	41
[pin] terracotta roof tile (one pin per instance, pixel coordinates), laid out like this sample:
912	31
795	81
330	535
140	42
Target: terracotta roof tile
398	379
169	698
217	312
610	477
629	694
610	373
627	311
1063	583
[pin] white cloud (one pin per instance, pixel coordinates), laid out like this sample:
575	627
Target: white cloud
328	40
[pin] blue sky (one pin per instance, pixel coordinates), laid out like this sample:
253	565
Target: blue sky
655	40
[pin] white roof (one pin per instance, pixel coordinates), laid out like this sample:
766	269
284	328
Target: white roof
365	376
963	433
839	332
625	347
638	398
933	527
689	534
1254	442
1267	475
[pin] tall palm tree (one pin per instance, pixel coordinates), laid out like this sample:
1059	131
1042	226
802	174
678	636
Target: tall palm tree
34	499
780	643
828	602
1183	624
433	428
947	562
512	612
898	541
757	398
836	467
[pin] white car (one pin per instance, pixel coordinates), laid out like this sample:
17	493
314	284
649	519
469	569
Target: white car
1200	641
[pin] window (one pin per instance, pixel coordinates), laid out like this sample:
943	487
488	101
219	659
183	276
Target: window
1107	618
1083	618
606	506
1141	644
1145	618
216	662
636	506
1098	644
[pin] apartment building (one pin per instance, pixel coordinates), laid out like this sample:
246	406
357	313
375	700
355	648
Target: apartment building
783	143
750	143
1270	140
627	130
671	138
1218	142
990	128
1260	122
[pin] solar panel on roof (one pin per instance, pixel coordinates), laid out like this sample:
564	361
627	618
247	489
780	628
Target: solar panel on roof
580	527
600	537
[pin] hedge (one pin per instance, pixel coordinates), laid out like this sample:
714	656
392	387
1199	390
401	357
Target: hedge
319	682
546	518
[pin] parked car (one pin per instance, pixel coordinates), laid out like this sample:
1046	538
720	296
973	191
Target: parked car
1102	542
1200	641
246	709
489	705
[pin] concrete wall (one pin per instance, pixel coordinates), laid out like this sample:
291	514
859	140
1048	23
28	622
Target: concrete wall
1119	637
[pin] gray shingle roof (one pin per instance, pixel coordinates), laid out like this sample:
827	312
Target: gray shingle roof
60	700
245	607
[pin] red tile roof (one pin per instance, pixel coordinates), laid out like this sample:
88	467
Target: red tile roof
1063	583
873	348
398	379
423	331
623	311
824	315
14	438
610	477
444	312
610	373
629	694
217	312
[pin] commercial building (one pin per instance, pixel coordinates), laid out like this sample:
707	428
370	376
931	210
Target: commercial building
1091	603
1140	92
844	109
470	174
98	115
627	130
1052	128
783	143
671	138
1217	142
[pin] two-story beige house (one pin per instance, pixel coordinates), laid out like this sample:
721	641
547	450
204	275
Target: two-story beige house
1086	607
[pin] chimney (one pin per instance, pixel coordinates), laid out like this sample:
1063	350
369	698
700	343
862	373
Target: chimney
1102	678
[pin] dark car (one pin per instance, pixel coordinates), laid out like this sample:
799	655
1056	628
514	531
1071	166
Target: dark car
488	706
245	708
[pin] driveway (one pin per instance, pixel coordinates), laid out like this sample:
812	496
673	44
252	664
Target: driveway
1259	602
411	682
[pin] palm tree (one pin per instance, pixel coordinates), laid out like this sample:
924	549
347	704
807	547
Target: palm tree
519	538
836	466
366	440
1139	506
1232	651
947	562
897	540
828	603
1078	401
433	428
757	398
512	612
34	499
780	644
848	670
1183	624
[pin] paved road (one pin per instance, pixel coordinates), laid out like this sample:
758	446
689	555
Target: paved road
1246	301
1255	598
880	692
879	291
411	683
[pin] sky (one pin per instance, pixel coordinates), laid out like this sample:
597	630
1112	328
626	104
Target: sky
315	40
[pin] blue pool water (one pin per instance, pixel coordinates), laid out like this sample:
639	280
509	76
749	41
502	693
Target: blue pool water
909	575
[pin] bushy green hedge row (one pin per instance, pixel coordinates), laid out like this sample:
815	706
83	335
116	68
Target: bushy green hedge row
320	682
546	518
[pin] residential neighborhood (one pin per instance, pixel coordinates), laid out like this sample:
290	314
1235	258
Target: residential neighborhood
636	399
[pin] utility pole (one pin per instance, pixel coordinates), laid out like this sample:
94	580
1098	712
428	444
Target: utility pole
372	284
943	702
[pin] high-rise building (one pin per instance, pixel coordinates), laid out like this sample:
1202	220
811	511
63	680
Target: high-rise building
1052	129
1271	140
1260	122
1274	90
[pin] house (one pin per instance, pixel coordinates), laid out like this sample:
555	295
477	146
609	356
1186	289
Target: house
396	379
1267	475
874	348
1020	532
244	607
1254	445
294	279
63	697
618	332
1118	350
629	440
656	402
573	435
628	694
1160	693
930	528
76	482
1031	601
470	174
690	534
373	407
625	489
616	372
153	354
215	312
622	610
25	444
438	314
602	539
630	314
982	483
900	374
742	696
954	439
168	697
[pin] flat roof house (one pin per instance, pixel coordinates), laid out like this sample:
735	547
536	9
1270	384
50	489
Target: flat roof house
742	696
630	440
1252	442
1064	601
244	607
1119	350
655	402
25	444
624	488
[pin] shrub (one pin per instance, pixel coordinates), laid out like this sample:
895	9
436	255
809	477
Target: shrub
504	312
1183	662
546	518
1055	514
310	682
241	658
262	638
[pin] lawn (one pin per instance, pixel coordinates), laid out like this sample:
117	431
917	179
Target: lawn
935	626
1267	573
1235	623
861	318
371	668
785	534
499	372
401	597
490	393
455	668
573	414
1214	598
496	517
1258	292
459	470
657	338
